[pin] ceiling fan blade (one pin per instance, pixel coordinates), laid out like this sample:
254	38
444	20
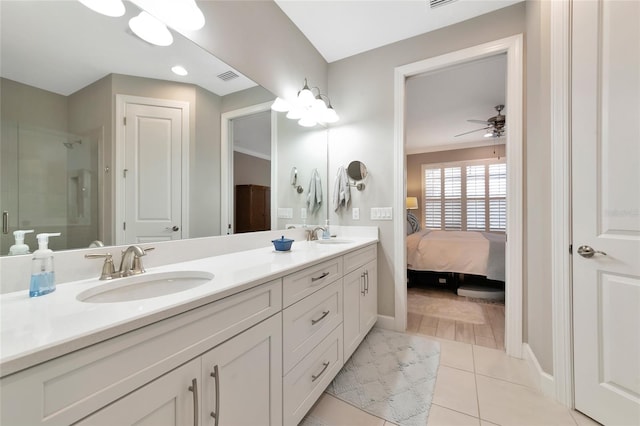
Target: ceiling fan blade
478	121
472	131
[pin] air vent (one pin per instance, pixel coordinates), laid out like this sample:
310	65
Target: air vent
229	75
438	3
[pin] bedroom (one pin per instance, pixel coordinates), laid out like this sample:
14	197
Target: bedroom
456	202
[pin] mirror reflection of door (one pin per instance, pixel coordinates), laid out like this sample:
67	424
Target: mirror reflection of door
151	175
252	172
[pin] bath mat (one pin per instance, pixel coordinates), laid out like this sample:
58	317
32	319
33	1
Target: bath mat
447	309
392	376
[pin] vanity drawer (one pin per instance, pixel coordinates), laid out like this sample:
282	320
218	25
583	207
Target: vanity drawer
64	390
307	322
303	283
306	382
356	259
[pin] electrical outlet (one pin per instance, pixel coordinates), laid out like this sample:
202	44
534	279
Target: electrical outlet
355	212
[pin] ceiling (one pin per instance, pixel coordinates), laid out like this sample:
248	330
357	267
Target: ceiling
339	29
62	46
438	104
252	135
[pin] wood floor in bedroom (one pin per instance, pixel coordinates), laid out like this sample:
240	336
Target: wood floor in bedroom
461	319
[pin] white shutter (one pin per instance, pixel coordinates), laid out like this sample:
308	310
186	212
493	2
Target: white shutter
432	196
476	191
497	197
452	198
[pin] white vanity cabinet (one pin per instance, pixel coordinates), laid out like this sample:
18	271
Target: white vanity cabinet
236	383
360	296
96	379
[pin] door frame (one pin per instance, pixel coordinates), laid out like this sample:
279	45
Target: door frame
119	155
226	164
513	47
561	276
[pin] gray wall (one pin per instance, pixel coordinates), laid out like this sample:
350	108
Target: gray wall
415	162
363	94
537	230
258	39
250	170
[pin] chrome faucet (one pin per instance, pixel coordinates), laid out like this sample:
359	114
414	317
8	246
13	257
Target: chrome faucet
312	235
130	264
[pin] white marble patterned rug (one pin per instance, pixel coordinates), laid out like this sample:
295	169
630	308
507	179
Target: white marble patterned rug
391	375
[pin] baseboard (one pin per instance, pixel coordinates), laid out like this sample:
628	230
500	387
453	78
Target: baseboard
543	380
386	322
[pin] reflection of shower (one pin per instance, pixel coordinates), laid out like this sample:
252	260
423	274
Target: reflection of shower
71	144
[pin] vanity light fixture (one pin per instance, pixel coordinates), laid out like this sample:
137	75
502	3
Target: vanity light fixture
308	109
113	8
179	70
150	29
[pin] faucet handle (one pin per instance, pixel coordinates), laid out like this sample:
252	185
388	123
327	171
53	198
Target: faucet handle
137	267
145	250
108	269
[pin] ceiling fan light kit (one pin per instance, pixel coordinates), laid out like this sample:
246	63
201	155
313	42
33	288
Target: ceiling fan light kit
494	126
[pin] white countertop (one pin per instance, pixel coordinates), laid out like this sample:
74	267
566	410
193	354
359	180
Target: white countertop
35	330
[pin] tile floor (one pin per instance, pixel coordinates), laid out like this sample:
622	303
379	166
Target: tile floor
490	334
475	386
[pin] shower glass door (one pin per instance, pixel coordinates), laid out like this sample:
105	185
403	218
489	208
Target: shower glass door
49	183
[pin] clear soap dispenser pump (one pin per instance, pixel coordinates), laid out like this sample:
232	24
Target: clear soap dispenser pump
43	280
19	247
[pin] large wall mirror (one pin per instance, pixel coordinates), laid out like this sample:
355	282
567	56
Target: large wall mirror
71	164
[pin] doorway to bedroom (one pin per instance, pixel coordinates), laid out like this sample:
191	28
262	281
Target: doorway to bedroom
462	120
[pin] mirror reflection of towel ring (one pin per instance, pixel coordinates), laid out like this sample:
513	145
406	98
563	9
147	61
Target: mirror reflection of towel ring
357	171
294	180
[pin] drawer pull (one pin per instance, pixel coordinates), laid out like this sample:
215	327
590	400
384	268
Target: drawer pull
315	321
314	279
315	377
216	414
194	388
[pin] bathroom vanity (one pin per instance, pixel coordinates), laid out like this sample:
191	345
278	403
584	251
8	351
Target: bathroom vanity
257	344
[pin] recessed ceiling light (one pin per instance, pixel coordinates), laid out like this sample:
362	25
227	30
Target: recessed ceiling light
150	29
180	15
179	69
113	8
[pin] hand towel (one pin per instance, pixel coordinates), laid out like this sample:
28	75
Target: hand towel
314	197
341	191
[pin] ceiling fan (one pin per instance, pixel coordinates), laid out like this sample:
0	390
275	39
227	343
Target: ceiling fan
494	125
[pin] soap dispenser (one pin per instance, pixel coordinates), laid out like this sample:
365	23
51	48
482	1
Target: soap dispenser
43	279
19	247
326	234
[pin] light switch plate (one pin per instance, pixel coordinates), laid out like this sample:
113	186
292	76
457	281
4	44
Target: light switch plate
285	213
303	213
355	212
381	213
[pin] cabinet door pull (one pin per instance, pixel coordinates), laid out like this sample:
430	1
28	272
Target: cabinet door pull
216	414
366	281
315	321
5	222
362	286
314	279
194	388
315	377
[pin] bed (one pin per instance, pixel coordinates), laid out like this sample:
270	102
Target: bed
465	252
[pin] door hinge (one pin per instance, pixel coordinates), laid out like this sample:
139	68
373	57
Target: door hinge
124	173
124	120
570	248
124	226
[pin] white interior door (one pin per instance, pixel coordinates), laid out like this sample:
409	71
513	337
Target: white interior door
152	173
606	209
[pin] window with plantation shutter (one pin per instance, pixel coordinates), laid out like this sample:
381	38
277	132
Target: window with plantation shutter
466	196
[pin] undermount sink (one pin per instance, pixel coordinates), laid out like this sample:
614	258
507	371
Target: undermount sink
334	241
144	286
